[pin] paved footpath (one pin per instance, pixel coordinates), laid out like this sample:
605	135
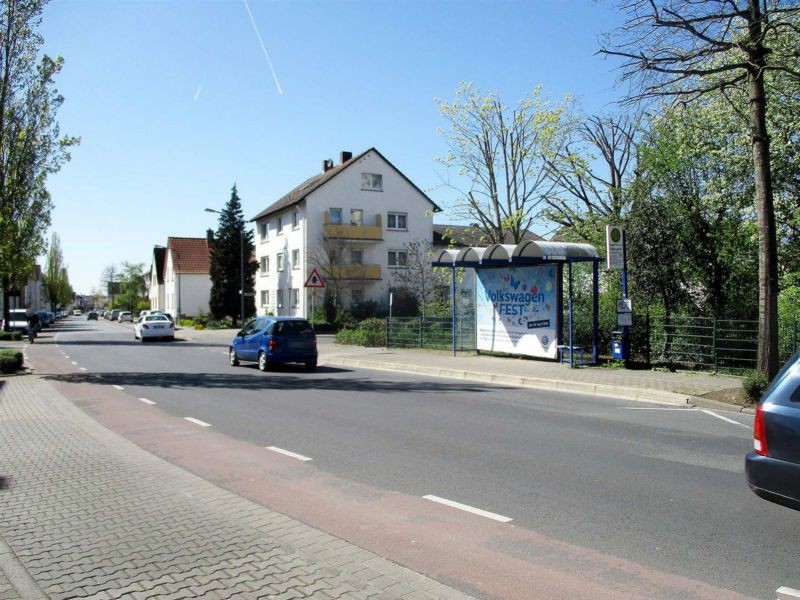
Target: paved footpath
89	514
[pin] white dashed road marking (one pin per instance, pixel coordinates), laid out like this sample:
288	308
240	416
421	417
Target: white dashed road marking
288	453
118	387
146	401
82	368
197	422
469	509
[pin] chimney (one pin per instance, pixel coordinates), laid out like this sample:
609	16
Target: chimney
345	156
210	237
327	165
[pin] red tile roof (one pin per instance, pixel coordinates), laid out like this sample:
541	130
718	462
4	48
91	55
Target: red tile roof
189	255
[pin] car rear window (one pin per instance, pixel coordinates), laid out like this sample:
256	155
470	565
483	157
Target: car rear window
293	328
156	318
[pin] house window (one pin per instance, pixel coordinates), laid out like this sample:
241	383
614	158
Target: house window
264	298
279	226
356	257
279	298
295	259
336	216
264	265
357	296
295	220
397	258
295	297
356	217
279	261
397	221
372	182
264	231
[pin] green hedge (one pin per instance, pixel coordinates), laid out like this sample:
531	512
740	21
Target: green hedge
371	332
10	336
10	361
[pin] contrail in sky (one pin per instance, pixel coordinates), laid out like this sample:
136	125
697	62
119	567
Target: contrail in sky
263	48
199	91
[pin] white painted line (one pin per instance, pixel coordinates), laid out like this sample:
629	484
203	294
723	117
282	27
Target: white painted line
787	593
74	363
197	422
647	408
288	453
726	419
146	401
82	368
118	387
470	509
66	355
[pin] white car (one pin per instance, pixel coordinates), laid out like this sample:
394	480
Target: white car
125	315
153	326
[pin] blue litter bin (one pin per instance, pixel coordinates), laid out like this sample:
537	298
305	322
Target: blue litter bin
617	346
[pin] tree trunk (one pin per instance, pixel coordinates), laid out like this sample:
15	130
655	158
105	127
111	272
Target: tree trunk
768	252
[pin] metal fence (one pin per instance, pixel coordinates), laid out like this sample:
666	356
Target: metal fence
433	333
717	344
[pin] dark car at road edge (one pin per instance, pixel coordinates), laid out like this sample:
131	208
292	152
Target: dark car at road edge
275	340
773	467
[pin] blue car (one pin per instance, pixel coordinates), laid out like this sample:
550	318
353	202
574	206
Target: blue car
275	340
773	468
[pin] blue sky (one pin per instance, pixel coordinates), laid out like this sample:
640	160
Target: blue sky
175	102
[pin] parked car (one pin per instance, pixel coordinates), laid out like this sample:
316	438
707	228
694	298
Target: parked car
91	316
76	312
114	314
773	467
44	318
18	320
125	315
275	340
153	326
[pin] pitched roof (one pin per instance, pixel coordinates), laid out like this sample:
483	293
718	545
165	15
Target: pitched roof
471	236
189	255
311	184
160	259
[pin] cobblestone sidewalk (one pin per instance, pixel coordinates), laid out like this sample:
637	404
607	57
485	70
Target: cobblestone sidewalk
91	515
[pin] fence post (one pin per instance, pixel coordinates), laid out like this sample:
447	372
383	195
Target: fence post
647	343
420	332
388	330
714	344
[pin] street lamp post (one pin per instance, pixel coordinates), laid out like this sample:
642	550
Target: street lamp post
241	267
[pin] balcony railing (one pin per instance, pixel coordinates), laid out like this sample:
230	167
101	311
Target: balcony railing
361	232
360	272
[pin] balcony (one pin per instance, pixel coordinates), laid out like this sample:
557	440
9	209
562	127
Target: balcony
362	233
356	272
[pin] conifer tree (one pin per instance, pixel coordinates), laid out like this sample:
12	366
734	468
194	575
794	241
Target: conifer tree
226	260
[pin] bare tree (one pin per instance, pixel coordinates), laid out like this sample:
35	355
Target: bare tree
501	152
417	277
328	254
588	186
685	49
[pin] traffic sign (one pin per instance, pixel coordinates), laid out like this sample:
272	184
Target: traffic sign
314	280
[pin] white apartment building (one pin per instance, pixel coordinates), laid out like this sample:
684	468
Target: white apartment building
352	222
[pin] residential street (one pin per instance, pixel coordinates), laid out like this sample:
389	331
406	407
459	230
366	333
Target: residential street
601	496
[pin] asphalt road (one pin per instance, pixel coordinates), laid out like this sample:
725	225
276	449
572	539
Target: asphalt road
661	487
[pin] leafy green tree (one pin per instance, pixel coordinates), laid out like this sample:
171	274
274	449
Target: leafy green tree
687	50
31	146
133	287
226	268
56	280
501	153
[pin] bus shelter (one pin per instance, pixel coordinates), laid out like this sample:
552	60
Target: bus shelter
519	296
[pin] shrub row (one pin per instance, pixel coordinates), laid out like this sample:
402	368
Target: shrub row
371	332
10	361
10	336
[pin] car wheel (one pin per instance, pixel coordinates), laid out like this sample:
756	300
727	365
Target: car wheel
263	365
311	365
232	358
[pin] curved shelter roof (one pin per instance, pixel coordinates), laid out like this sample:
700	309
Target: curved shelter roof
524	253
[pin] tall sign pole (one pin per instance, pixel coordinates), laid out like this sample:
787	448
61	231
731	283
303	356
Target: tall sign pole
617	258
314	282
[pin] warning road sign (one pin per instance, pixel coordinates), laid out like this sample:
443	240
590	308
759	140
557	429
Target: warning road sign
314	280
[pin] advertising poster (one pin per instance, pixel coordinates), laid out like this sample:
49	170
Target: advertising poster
516	310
